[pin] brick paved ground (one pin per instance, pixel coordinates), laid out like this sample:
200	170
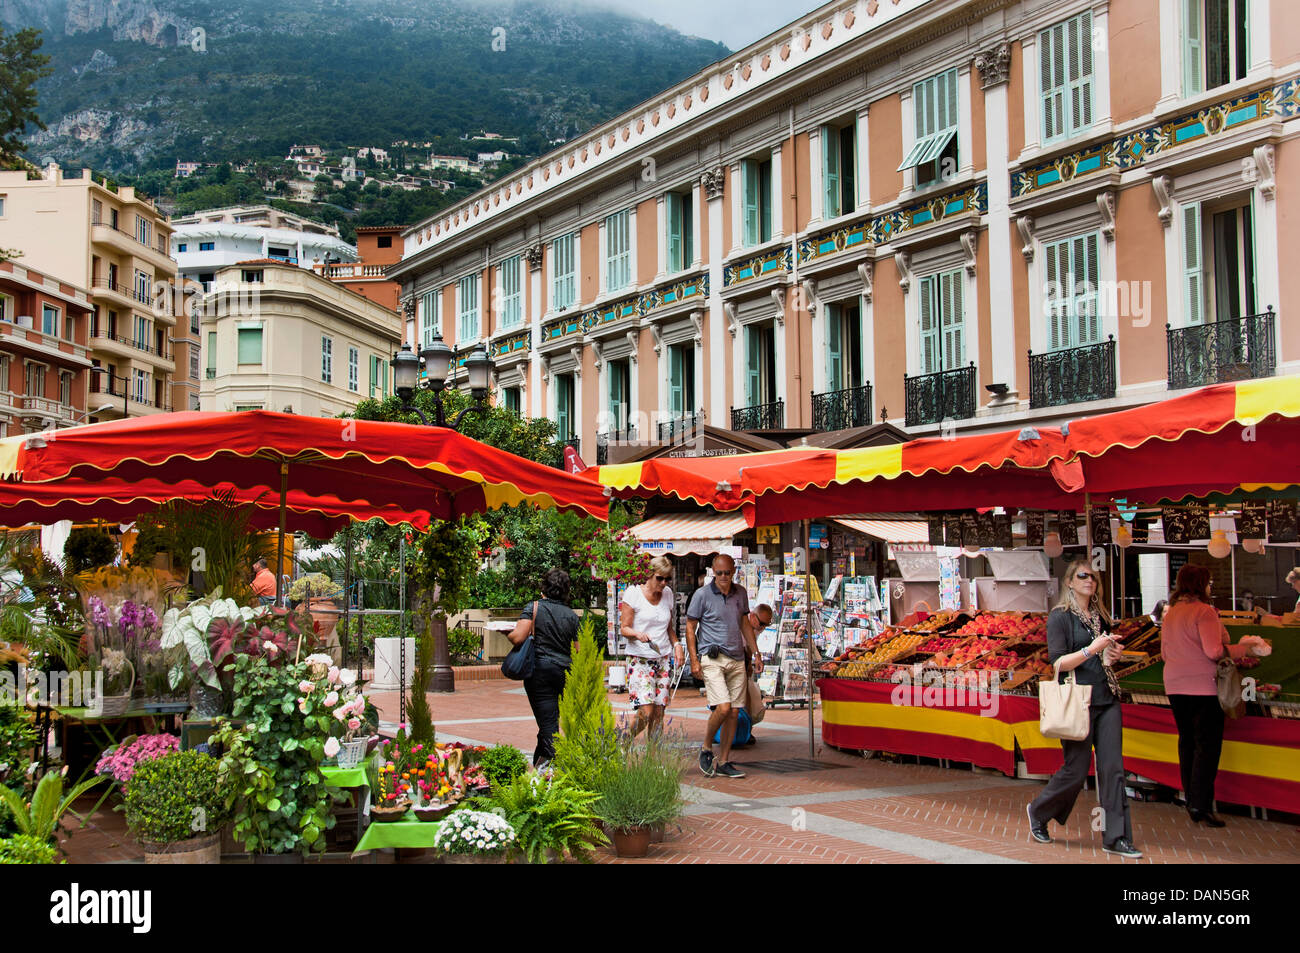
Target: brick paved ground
854	811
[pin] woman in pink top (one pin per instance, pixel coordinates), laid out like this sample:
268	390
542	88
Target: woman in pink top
1192	640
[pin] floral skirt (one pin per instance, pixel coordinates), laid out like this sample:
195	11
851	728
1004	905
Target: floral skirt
647	680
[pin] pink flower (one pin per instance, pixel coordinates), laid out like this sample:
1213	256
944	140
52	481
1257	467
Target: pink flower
333	675
340	714
270	647
306	687
331	747
354	724
331	699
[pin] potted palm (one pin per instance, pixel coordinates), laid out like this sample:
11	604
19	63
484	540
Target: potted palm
175	807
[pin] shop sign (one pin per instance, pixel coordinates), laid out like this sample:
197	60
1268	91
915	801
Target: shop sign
818	537
769	534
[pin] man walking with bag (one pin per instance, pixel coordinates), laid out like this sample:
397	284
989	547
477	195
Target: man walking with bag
719	637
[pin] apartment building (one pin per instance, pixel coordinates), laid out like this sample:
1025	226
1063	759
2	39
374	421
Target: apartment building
114	243
943	215
377	247
205	242
280	337
44	351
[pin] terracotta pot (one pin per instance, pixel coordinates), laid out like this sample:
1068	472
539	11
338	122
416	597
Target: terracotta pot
657	834
386	815
630	842
324	612
197	850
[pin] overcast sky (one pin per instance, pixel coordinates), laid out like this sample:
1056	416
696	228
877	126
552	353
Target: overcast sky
736	23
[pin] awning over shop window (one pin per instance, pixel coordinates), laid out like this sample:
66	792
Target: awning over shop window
902	535
699	533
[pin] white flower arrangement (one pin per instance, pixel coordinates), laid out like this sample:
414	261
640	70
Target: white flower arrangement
474	832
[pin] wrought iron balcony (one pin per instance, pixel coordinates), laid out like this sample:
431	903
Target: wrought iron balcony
842	409
1234	350
670	431
944	395
769	416
603	441
1072	375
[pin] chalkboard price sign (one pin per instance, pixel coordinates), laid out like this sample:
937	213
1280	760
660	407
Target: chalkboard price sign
1175	525
1251	522
952	529
1066	526
934	529
1198	522
1002	531
1282	521
1034	521
1099	526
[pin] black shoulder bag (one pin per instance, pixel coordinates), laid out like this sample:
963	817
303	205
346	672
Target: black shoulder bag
518	665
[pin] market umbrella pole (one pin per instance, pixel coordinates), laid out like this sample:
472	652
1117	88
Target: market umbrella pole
808	636
279	558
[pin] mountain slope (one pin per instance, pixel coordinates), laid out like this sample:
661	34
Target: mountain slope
140	83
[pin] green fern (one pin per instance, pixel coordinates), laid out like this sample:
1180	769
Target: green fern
547	815
40	819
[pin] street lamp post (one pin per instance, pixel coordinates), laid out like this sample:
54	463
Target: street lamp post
437	359
126	389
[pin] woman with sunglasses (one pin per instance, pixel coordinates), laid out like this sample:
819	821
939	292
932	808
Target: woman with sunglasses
1078	642
645	617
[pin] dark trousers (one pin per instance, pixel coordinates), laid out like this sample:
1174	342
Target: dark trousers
1200	741
543	691
1057	800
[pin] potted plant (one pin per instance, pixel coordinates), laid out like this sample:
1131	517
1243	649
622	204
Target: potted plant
119	681
501	764
644	791
122	760
319	594
474	837
550	817
39	818
272	763
175	807
387	800
349	734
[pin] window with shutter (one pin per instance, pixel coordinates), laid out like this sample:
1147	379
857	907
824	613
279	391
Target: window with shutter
511	295
934	142
749	197
1070	293
354	370
326	359
1193	278
1215	43
930	354
430	317
753	366
943	322
618	251
563	273
1065	73
834	347
467	322
249	345
830	172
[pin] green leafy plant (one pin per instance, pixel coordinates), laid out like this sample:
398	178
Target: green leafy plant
17	741
314	585
88	549
25	849
279	798
464	645
548	815
417	705
587	747
40	817
502	764
217	538
175	798
645	788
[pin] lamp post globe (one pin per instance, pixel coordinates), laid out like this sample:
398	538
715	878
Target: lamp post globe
437	361
406	372
479	367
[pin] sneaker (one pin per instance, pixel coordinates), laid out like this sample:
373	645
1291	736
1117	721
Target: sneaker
1037	831
1124	848
729	770
706	762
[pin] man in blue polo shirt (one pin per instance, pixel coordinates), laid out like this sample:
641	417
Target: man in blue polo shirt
718	638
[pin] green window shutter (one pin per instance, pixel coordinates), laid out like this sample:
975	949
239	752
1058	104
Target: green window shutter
1051	74
1193	277
673	210
1053	270
212	352
750	200
930	359
834	348
1085	299
1079	37
687	204
923	95
952	319
1193	69
675	395
753	367
374	375
830	172
250	345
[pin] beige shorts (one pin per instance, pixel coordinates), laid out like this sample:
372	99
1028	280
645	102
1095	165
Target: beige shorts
724	680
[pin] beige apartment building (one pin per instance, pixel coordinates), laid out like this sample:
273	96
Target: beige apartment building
945	215
278	337
114	243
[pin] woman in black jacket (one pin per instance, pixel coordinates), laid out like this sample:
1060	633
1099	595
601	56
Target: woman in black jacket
555	628
1077	641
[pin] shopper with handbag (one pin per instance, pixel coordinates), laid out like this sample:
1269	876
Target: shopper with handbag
1081	649
553	627
1193	641
653	649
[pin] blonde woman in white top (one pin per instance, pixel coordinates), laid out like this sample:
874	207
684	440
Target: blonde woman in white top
645	617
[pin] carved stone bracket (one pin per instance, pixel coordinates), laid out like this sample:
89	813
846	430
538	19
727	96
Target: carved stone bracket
634	344
810	296
713	181
408	307
545	367
866	271
1265	170
903	261
1026	226
733	318
1106	205
533	255
970	244
599	350
1164	189
994	66
657	333
778	298
576	354
697	322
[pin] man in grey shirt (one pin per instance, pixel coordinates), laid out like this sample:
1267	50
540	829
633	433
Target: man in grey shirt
719	616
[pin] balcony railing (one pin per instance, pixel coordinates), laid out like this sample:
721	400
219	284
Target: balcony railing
44	406
160	245
1072	375
125	290
1234	350
116	393
770	416
842	409
945	395
670	431
211	373
605	439
131	342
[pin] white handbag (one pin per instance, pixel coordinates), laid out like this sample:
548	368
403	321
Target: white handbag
1063	707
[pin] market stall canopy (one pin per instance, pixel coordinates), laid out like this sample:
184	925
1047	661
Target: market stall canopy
23	504
1220	437
894	532
433	470
678	533
707	481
